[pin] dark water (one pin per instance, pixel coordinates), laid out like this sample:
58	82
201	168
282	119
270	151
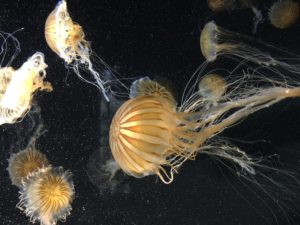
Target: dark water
158	39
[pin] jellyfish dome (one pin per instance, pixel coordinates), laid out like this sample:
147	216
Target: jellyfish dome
18	86
46	195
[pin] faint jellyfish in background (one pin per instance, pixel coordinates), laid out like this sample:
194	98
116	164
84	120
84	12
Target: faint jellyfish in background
25	162
284	13
67	39
229	5
149	135
46	195
216	41
211	87
105	173
17	87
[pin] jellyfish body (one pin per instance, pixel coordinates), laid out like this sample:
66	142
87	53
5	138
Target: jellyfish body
212	87
66	38
284	13
25	162
145	87
18	86
149	135
46	195
216	41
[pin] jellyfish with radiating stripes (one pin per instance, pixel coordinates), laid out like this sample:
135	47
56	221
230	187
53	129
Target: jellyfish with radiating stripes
151	136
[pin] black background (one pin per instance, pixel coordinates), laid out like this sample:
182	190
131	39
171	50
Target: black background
137	38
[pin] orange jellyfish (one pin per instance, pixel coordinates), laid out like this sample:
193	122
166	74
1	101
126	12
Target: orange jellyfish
18	86
149	135
25	162
284	13
46	195
67	39
216	41
228	5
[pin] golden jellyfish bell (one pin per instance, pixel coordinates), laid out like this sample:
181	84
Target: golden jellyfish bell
141	135
284	13
25	162
212	87
62	35
18	86
208	41
146	87
46	195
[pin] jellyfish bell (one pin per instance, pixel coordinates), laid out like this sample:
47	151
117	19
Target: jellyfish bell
221	5
67	39
17	87
148	135
25	162
145	87
46	195
284	13
212	87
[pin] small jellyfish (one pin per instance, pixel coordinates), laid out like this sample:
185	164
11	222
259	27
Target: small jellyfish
229	5
18	86
221	5
212	87
46	195
216	41
67	39
25	162
149	135
145	87
284	13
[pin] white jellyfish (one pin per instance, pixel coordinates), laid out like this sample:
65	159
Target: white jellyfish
18	86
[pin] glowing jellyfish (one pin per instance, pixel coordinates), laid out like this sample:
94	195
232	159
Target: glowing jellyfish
216	41
66	38
25	162
284	13
228	5
46	195
212	87
145	87
18	86
148	135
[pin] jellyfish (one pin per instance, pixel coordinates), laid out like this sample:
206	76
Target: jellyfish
145	86
67	39
25	162
284	13
216	41
17	87
212	87
229	5
46	195
150	136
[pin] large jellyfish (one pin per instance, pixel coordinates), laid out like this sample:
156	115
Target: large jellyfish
216	41
67	39
18	86
149	135
228	5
